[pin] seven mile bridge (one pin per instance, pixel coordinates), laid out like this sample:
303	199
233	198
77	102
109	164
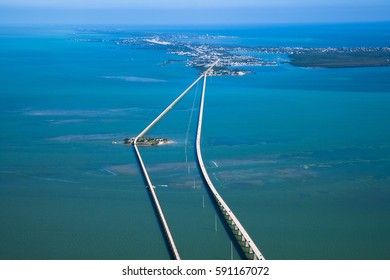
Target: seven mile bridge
247	245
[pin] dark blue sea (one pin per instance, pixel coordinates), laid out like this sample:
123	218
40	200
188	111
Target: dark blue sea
301	155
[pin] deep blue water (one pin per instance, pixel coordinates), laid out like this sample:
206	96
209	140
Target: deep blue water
300	155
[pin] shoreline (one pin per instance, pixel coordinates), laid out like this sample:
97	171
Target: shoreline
340	58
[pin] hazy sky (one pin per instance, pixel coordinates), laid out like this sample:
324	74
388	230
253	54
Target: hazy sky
188	3
192	11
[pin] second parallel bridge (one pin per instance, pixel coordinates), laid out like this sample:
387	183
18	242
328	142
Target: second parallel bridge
247	245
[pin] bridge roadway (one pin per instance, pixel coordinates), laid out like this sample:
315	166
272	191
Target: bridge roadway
246	243
160	213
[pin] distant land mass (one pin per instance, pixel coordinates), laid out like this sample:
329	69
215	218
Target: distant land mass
341	58
197	52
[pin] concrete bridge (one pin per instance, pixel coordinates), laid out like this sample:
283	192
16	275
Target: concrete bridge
247	245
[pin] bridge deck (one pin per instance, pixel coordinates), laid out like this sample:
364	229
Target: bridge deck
246	243
160	213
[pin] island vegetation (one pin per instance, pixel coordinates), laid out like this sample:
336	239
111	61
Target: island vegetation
147	141
341	58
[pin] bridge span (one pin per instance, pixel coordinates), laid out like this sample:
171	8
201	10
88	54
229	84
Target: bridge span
247	245
168	235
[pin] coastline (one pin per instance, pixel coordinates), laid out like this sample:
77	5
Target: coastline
341	58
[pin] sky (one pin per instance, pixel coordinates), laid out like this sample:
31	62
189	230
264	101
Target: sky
191	11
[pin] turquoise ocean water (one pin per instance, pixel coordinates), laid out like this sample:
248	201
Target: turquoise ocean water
302	156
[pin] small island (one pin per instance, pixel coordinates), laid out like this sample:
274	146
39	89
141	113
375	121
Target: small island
147	141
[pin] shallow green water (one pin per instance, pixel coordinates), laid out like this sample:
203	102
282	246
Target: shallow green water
300	155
